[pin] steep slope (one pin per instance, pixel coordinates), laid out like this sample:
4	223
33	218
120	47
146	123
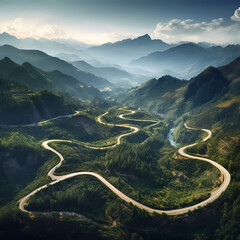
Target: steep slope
208	85
232	72
127	49
48	63
224	113
210	89
36	79
150	93
188	59
19	105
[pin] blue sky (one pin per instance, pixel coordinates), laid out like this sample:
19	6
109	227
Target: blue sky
99	21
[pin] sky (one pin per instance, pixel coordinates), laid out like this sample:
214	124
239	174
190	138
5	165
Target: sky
100	21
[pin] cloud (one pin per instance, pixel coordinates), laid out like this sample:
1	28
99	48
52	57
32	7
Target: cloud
218	30
22	28
236	16
101	38
49	31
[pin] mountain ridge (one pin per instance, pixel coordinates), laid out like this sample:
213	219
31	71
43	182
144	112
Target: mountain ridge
37	79
124	50
188	59
47	63
211	87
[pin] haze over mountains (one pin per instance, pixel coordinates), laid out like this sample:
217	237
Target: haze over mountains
37	79
134	59
52	47
48	63
155	57
188	59
183	61
214	92
115	75
123	51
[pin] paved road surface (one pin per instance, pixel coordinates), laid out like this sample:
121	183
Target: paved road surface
42	122
57	179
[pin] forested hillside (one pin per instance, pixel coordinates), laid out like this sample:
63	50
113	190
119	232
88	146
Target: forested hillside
19	105
48	63
37	79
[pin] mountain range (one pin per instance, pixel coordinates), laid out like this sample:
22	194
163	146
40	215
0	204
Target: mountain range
214	92
50	46
141	56
127	49
115	75
47	63
187	60
37	79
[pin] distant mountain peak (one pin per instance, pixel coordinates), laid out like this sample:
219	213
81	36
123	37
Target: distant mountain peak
145	37
7	46
190	45
7	60
7	36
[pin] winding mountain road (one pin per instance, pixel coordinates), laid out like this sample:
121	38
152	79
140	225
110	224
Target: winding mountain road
42	122
56	179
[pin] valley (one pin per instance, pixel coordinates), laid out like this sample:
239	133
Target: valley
139	161
214	195
129	136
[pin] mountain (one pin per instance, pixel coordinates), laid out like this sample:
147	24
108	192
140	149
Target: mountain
19	105
6	38
127	49
221	112
152	91
214	90
189	59
37	79
50	46
47	63
68	57
206	86
114	75
232	70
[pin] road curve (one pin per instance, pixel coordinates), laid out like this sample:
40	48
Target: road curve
57	179
99	119
42	122
136	120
